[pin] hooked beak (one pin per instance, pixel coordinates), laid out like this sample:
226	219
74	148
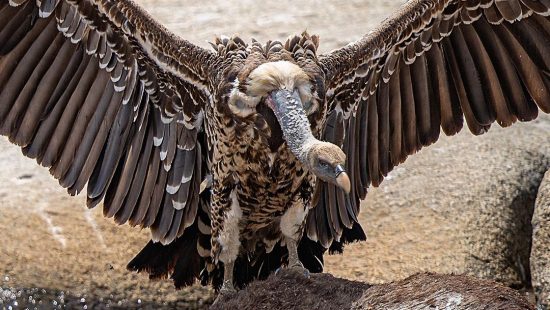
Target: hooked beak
342	179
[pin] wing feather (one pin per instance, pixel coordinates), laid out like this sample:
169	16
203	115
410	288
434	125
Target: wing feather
428	67
528	71
408	109
384	128
131	201
105	96
84	154
396	123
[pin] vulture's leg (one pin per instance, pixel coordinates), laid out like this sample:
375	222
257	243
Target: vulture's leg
227	286
293	259
226	216
227	289
292	224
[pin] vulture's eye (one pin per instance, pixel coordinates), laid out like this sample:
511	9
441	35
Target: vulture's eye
323	164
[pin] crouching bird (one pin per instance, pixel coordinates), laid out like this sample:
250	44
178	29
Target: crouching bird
254	156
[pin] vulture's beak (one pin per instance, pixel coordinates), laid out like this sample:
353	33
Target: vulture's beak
342	179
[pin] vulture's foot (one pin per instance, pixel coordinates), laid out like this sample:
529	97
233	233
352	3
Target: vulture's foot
296	267
227	287
299	268
226	291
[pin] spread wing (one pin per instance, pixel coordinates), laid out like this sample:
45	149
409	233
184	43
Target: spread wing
103	95
433	64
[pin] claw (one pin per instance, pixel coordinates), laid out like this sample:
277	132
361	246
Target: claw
300	269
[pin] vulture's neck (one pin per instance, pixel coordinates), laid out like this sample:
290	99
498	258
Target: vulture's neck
296	127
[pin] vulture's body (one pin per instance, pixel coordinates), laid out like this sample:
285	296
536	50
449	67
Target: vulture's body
235	158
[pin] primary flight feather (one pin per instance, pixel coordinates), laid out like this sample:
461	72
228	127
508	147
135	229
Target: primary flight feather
253	156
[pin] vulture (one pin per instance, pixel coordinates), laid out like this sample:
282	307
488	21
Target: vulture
252	156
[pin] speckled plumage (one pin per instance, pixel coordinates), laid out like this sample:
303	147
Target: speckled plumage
186	141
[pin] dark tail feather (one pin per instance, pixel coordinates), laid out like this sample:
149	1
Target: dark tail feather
181	262
263	264
178	260
354	234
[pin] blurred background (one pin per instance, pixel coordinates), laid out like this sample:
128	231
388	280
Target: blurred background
463	205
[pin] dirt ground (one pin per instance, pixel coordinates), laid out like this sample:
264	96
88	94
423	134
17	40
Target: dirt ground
425	217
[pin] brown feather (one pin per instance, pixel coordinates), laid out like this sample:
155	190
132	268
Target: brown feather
83	115
156	198
482	112
25	67
493	15
47	7
362	150
322	225
384	128
408	109
518	104
421	90
118	191
56	104
43	93
173	232
13	119
331	209
164	219
142	209
527	69
102	125
80	166
16	26
533	40
396	121
6	13
330	194
342	209
451	115
9	62
130	205
372	141
510	9
537	6
65	124
116	143
457	80
488	76
193	204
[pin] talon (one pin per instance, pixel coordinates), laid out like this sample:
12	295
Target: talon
300	269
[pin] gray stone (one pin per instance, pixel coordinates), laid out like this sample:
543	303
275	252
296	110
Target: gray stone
540	251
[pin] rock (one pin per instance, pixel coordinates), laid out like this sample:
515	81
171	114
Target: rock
291	290
540	251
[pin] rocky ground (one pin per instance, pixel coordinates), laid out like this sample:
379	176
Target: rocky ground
420	291
463	205
540	251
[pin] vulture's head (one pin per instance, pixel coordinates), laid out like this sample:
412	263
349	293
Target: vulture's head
288	94
326	161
